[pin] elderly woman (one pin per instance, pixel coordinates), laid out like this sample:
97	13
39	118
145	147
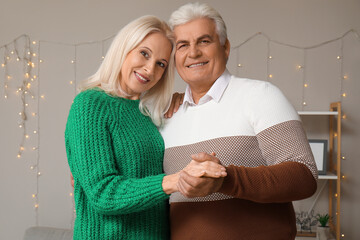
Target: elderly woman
114	149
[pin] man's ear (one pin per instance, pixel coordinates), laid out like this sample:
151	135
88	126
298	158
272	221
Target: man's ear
227	48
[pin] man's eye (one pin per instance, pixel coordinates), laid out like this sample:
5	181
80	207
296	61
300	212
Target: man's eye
181	46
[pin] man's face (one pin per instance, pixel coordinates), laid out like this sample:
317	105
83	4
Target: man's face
200	59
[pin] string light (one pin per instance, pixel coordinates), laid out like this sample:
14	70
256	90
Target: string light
270	41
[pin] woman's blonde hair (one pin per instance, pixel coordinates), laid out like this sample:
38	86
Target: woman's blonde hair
156	100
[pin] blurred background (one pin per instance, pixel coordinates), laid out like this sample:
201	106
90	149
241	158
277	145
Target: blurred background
309	49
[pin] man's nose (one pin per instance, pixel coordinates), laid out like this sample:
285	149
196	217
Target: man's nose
194	51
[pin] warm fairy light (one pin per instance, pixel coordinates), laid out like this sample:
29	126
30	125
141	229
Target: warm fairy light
19	155
33	114
41	60
270	75
344	116
33	196
34	42
71	82
35	132
299	67
72	61
343	158
42	96
344	95
338	57
71	194
39	173
304	103
3	65
306	85
342	235
22	148
32	167
270	57
240	65
27	136
336	195
343	176
28	86
36	205
18	59
345	77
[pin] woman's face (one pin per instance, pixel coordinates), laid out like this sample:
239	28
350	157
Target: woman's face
145	65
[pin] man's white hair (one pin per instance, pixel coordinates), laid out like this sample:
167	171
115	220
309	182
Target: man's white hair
192	11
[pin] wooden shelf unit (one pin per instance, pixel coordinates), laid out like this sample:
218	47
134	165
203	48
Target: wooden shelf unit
333	175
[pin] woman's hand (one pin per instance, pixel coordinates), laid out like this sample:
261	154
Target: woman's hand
176	101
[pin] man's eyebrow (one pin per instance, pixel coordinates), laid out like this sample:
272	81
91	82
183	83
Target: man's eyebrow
205	36
199	38
181	41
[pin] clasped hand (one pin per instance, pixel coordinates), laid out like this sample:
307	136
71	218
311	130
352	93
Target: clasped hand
204	175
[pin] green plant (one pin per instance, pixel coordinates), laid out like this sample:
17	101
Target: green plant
323	219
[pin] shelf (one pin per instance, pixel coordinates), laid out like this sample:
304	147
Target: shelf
329	175
325	113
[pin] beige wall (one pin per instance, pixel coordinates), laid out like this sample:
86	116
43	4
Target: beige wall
300	23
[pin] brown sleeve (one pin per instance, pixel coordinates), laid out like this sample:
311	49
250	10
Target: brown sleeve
284	182
290	173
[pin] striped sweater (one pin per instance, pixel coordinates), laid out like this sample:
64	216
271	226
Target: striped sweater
258	136
115	154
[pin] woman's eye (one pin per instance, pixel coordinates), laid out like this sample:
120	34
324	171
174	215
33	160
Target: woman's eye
145	54
162	65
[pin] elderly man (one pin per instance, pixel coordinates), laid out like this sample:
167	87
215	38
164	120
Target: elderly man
250	126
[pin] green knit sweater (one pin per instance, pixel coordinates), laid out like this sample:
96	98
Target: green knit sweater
115	154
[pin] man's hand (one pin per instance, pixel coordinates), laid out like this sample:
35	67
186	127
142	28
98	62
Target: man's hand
176	101
72	180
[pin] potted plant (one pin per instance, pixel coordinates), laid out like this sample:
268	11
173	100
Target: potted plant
323	231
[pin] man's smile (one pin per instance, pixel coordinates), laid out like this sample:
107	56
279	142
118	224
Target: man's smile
197	64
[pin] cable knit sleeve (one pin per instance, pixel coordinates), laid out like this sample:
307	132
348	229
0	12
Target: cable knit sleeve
92	160
290	173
